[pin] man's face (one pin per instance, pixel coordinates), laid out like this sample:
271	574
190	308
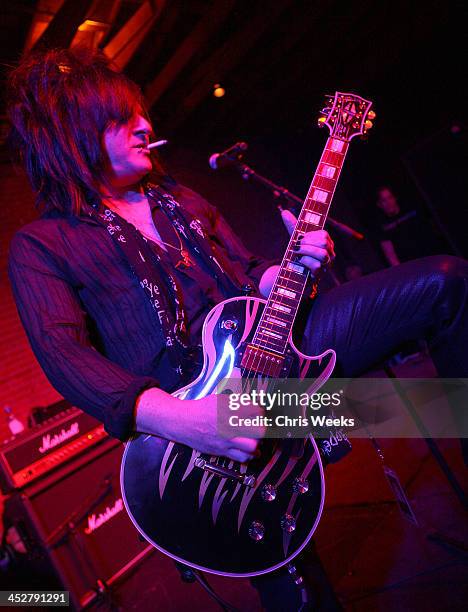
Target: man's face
128	158
388	202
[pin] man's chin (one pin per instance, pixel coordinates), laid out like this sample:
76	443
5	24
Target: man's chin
146	165
136	177
144	170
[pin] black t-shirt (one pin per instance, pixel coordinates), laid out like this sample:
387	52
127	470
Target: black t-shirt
199	287
409	231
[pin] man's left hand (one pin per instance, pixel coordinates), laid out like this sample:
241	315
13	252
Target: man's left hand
315	250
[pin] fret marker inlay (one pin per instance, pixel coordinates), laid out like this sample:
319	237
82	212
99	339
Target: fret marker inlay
276	321
269	333
320	195
280	307
295	267
313	218
286	292
337	145
327	171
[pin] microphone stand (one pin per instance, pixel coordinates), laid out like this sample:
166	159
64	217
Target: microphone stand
293	200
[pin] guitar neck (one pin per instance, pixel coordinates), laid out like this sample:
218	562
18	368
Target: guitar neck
280	312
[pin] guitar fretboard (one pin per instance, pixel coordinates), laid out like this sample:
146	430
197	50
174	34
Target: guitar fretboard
280	312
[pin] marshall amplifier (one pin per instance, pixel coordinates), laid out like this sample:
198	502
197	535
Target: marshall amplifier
47	447
72	522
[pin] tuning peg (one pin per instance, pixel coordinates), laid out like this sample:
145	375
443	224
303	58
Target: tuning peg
321	121
368	124
371	115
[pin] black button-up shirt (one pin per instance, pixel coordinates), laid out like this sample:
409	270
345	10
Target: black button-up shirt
89	322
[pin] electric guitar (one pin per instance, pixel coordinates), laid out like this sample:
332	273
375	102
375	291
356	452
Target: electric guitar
215	514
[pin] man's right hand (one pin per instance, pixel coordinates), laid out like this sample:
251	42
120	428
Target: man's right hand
193	423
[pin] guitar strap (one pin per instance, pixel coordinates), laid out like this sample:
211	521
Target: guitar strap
159	285
193	235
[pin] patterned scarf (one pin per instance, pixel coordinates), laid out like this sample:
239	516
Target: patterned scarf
193	235
159	285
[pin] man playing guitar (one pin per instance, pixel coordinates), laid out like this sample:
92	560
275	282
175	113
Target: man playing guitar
114	281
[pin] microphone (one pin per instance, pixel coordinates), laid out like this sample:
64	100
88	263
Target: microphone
228	157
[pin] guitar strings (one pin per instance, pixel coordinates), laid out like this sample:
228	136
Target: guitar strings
299	229
251	372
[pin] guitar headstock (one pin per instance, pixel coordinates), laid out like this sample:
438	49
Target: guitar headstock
347	115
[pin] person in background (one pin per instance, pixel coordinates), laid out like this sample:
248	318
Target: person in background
402	232
397	235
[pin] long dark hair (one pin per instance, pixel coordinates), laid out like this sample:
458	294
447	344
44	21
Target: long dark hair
60	102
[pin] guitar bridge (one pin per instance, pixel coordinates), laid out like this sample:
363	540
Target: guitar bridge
246	479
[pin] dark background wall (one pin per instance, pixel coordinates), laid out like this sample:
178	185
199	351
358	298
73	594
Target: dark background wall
22	383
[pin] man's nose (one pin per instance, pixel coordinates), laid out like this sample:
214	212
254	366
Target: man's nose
143	135
143	127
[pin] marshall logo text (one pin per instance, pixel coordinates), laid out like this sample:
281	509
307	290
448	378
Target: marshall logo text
95	521
49	441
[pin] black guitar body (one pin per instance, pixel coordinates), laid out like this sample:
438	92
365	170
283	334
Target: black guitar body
234	526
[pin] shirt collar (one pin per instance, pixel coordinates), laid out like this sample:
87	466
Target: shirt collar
153	200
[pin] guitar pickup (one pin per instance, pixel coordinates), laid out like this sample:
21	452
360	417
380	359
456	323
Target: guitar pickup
263	362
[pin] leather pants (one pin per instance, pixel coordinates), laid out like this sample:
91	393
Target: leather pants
365	321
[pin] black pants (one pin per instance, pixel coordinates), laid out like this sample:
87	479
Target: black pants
365	321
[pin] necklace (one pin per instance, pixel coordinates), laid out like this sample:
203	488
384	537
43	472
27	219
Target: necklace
185	261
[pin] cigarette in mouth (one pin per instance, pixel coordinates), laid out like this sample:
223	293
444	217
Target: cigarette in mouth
158	143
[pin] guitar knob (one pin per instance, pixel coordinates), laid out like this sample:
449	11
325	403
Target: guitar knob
256	530
300	485
229	325
249	480
268	493
288	523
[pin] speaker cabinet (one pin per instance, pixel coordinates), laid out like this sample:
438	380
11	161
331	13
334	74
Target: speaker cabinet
74	525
